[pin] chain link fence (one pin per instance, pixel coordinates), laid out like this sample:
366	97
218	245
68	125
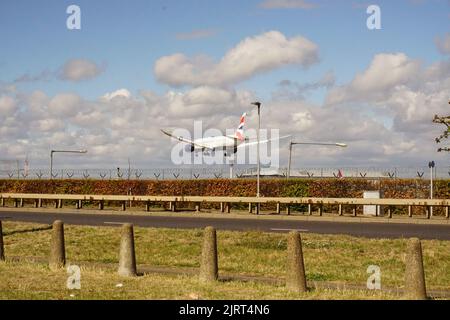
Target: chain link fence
226	172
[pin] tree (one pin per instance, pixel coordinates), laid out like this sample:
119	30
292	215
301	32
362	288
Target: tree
445	121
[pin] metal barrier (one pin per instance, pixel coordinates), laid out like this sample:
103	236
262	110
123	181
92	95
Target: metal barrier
225	202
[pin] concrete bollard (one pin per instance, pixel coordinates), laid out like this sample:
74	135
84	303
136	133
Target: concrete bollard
414	274
127	256
278	208
222	207
250	208
57	247
197	207
288	209
124	205
2	202
309	209
340	210
209	267
147	206
2	249
295	273
101	205
258	208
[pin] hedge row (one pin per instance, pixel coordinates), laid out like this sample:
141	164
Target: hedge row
339	188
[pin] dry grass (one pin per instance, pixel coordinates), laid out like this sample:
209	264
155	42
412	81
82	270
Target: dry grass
327	257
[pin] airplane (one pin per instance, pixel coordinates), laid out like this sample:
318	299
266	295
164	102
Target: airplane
229	143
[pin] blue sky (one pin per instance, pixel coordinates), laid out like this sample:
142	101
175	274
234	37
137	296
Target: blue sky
129	36
123	41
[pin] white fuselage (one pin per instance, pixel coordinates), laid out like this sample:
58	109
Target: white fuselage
217	143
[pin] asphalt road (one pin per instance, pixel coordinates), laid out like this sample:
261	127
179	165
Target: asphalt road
361	229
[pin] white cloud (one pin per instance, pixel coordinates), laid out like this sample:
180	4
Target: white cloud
118	93
79	70
386	71
287	4
251	56
8	105
443	44
64	104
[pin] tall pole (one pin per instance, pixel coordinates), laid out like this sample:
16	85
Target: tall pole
51	164
257	149
431	165
290	159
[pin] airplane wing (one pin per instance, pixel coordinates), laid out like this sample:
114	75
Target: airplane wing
261	142
180	138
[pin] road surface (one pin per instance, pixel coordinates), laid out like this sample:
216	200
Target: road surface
360	229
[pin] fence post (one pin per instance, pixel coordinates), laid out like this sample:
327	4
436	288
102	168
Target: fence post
410	211
295	273
278	208
127	256
2	249
288	209
250	208
414	275
101	205
197	207
340	209
222	207
147	206
446	212
57	247
2	202
428	212
320	209
209	267
309	209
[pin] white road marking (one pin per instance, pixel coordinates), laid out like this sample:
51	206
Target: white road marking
279	229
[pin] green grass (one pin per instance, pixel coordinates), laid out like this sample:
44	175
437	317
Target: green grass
333	258
30	281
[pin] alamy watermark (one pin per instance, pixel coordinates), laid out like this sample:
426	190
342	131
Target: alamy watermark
373	22
73	21
374	280
212	147
74	278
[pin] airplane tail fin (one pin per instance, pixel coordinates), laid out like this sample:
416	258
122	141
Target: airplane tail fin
239	134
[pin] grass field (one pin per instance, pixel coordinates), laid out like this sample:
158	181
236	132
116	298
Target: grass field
341	259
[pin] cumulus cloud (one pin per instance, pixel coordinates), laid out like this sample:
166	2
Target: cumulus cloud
385	72
73	70
64	104
79	70
287	4
124	93
443	44
251	56
7	105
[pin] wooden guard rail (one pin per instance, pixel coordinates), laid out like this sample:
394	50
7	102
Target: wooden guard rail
225	202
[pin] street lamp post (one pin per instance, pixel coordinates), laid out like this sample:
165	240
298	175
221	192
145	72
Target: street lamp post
336	144
258	105
431	165
61	151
